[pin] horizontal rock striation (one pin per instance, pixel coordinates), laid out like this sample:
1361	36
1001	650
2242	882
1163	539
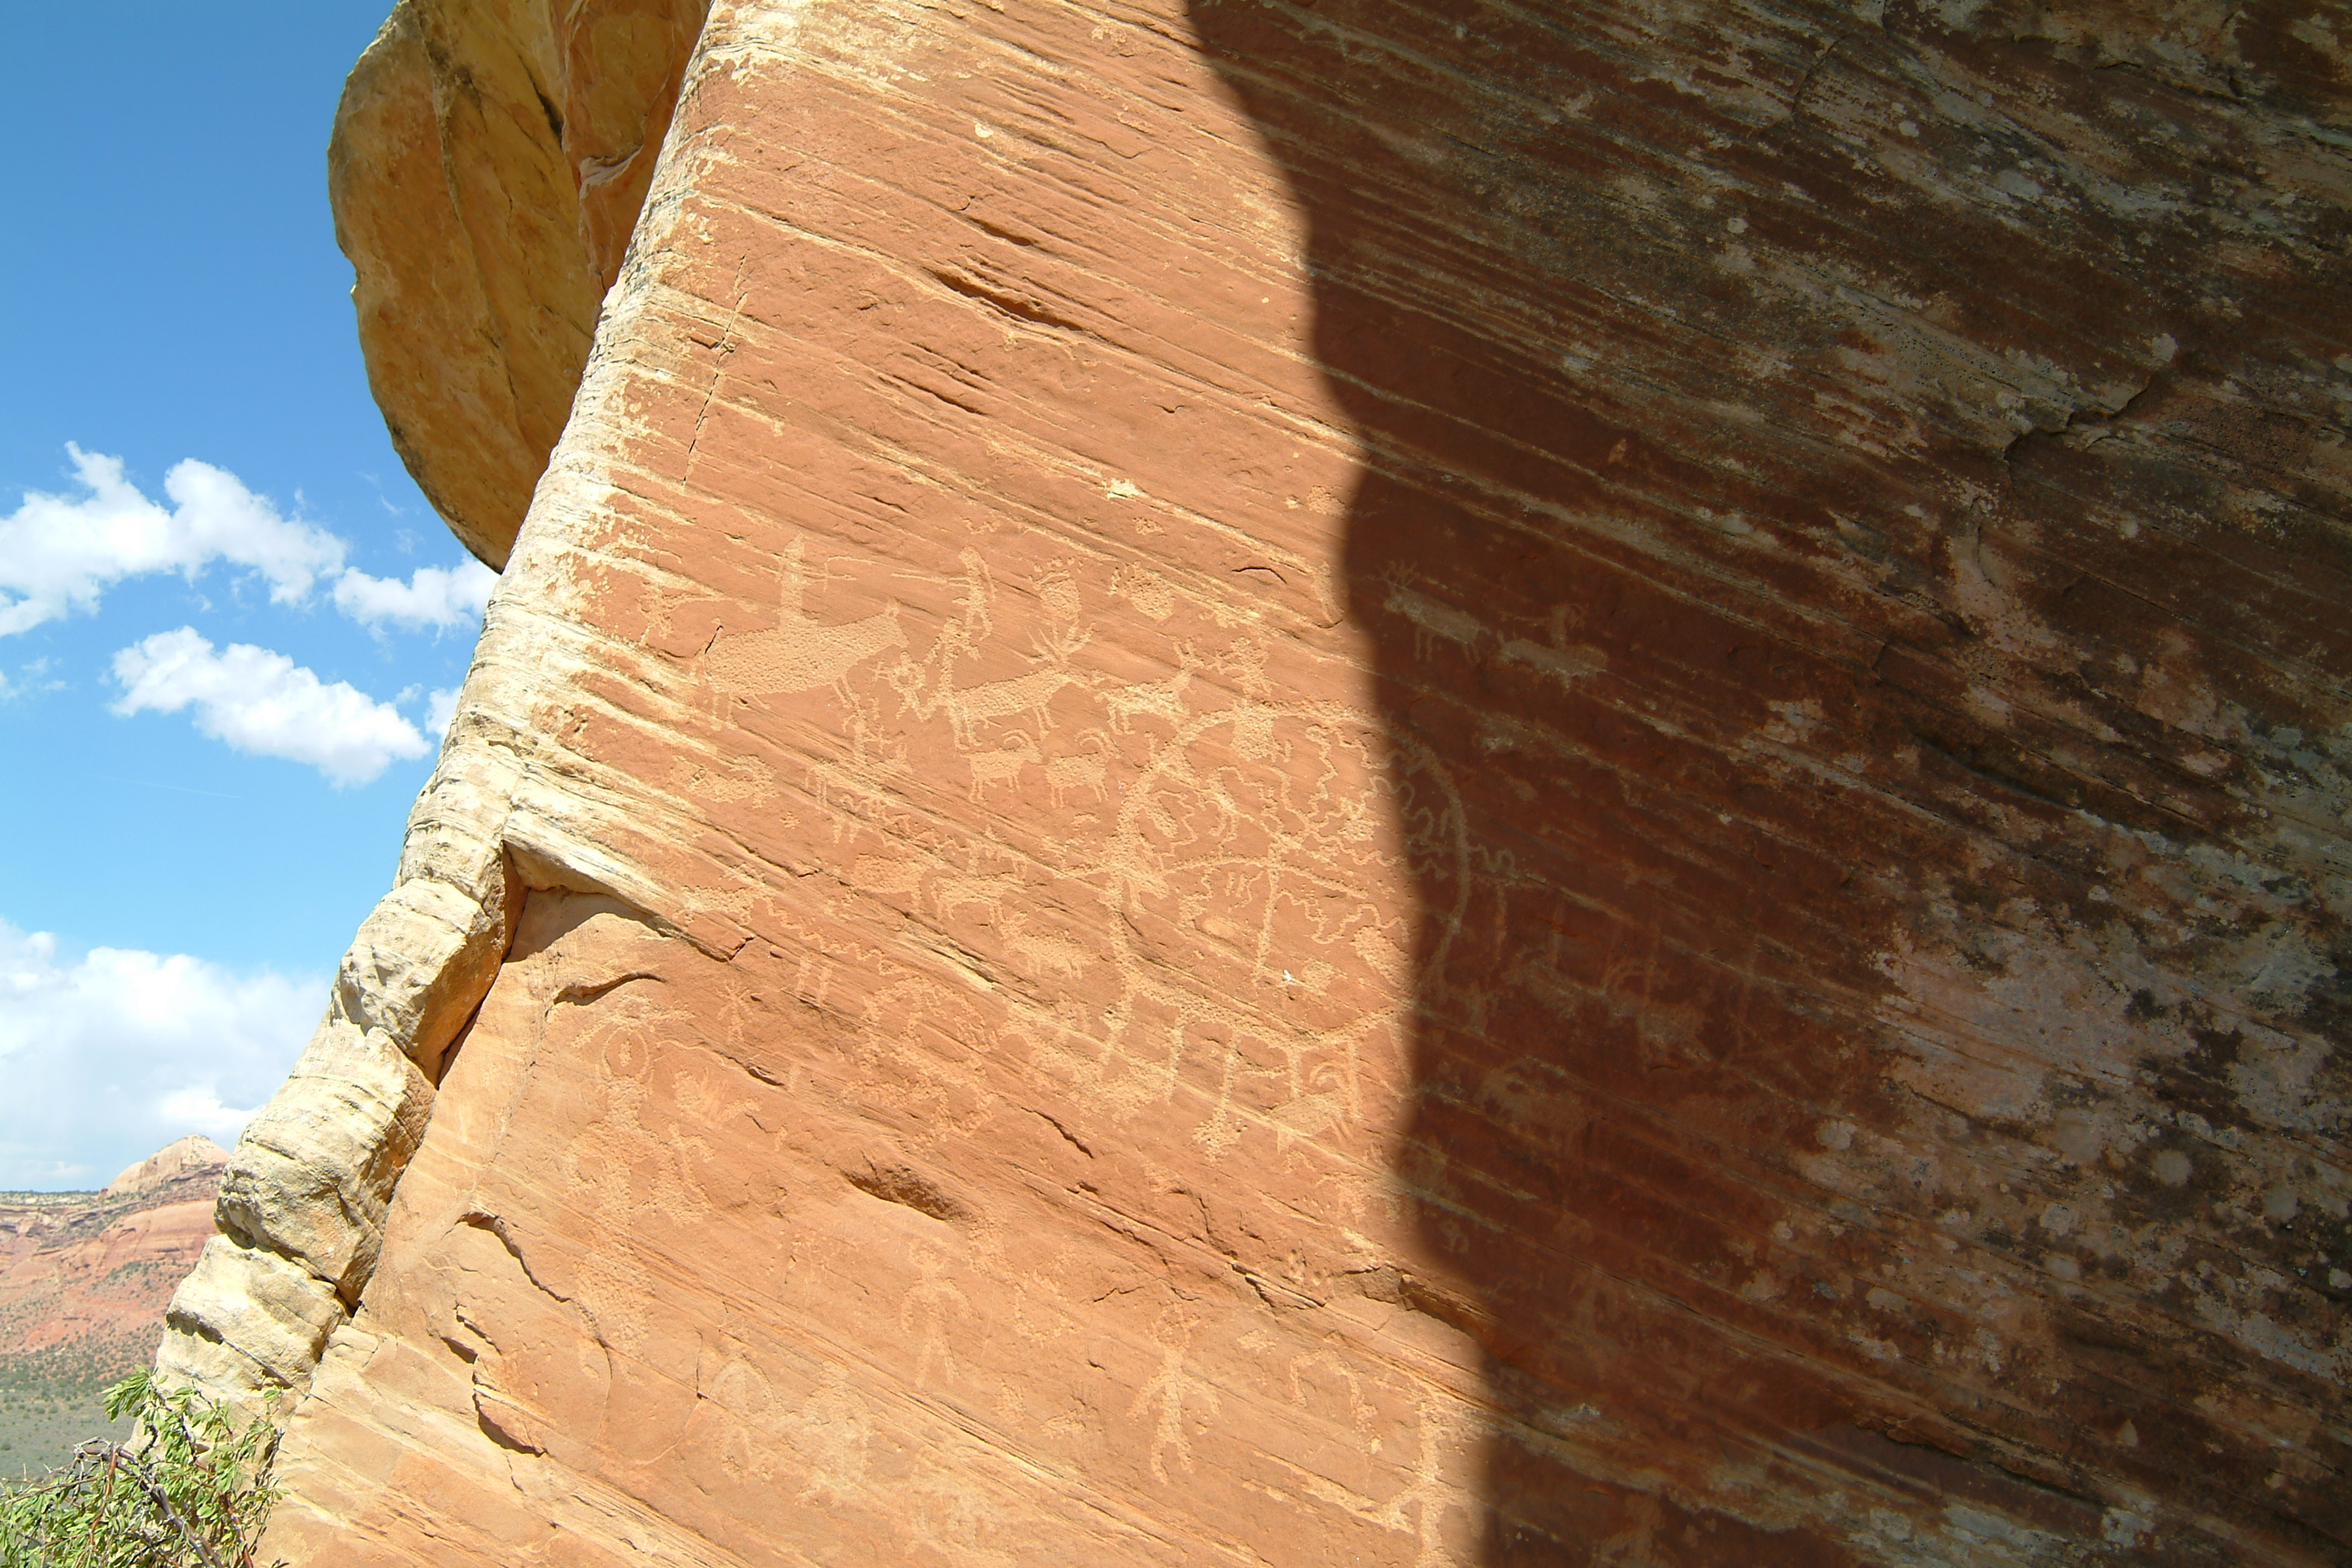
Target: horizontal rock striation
487	165
1374	782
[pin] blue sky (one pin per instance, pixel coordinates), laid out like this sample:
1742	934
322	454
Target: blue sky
194	812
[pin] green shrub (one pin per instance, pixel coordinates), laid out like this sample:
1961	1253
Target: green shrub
191	1489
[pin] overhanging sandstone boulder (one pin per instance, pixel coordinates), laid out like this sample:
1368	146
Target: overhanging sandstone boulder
489	160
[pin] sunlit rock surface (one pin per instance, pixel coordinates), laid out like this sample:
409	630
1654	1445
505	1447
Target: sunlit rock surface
489	160
1398	783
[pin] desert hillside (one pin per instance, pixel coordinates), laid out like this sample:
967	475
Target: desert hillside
84	1278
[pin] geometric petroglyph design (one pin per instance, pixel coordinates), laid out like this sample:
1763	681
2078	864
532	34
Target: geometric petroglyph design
1242	849
1244	880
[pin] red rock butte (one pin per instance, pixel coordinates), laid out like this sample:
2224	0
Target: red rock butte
1328	782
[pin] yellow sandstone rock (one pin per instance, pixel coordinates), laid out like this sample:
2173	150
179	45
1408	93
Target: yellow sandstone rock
489	160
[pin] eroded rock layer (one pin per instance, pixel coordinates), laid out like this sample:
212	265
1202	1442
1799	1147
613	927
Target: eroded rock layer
1403	783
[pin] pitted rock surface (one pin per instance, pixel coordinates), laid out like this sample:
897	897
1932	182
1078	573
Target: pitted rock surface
1408	782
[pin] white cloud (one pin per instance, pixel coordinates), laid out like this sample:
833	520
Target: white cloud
440	708
59	554
437	596
199	1106
263	702
109	1059
29	677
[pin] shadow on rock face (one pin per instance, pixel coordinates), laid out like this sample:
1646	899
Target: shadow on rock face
1699	401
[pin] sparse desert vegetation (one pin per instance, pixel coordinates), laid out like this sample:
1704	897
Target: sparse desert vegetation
185	1485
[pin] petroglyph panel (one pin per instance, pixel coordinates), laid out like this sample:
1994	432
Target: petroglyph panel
1364	783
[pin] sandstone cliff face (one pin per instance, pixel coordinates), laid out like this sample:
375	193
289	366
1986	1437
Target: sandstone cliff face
487	164
1379	783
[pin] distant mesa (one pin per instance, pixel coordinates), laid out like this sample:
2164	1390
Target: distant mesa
84	1280
194	1152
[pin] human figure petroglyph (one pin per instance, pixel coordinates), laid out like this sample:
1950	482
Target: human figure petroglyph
745	1402
1420	1507
932	1307
874	754
1240	839
799	653
975	625
607	1164
830	1431
927	686
1173	1394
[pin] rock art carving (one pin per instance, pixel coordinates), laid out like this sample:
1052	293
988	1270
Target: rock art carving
1561	788
798	653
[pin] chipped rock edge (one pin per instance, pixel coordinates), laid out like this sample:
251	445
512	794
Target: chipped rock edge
304	1197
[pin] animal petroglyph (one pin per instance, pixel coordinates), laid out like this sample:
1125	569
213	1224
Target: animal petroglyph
1082	769
1152	698
927	687
987	891
1039	950
1432	620
1003	765
798	653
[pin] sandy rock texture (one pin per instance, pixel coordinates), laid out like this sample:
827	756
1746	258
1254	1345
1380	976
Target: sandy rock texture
489	162
1381	783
